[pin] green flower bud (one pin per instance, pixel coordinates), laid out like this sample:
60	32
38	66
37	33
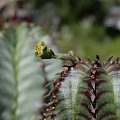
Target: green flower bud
42	51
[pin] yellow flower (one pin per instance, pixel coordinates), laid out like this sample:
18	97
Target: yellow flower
39	49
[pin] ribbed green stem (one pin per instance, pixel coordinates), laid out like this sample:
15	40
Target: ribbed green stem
66	56
15	70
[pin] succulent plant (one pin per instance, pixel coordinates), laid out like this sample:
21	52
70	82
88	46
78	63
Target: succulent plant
21	75
86	90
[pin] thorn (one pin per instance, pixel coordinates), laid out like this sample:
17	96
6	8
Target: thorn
47	109
44	114
97	61
79	58
110	59
57	74
54	96
71	53
97	57
48	84
58	84
117	60
46	96
112	62
89	60
53	108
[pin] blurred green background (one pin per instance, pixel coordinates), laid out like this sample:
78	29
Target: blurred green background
88	27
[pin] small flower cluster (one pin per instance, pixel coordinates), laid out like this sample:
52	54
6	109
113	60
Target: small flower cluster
41	50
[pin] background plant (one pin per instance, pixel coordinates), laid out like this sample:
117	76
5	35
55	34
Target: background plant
86	90
21	76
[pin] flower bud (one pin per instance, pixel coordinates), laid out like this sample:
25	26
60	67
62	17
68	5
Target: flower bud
42	51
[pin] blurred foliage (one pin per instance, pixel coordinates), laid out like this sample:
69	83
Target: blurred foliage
51	13
70	11
73	11
87	41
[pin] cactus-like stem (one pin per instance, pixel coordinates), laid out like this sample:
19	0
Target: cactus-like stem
42	51
66	56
